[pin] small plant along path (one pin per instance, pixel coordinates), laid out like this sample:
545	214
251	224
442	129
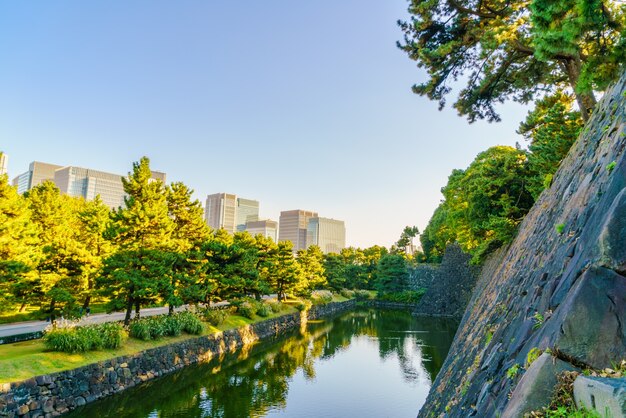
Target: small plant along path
23	360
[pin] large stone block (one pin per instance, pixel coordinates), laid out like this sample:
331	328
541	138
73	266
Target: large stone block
605	395
613	236
588	325
536	386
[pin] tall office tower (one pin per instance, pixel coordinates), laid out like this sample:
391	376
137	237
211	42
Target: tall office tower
78	182
88	183
267	228
220	211
328	234
247	211
4	162
37	173
293	227
230	212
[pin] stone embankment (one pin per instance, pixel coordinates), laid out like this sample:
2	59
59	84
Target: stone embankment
451	287
57	393
559	288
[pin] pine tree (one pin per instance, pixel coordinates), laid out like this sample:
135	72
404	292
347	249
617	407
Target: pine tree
19	247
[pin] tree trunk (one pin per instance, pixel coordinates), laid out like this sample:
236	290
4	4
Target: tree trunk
22	307
586	100
129	309
170	309
86	303
137	308
52	313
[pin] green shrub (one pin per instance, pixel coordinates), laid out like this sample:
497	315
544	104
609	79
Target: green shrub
247	309
172	325
112	334
513	370
276	306
321	297
156	325
191	324
264	310
348	294
215	317
140	329
362	295
406	296
69	338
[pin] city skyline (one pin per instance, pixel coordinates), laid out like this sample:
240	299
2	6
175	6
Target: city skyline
323	120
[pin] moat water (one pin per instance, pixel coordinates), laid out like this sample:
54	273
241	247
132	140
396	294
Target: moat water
365	363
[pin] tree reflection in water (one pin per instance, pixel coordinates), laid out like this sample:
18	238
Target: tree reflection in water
255	381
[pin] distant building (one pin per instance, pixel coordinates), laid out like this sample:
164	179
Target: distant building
88	183
267	228
293	227
328	234
227	211
78	182
4	162
37	173
247	211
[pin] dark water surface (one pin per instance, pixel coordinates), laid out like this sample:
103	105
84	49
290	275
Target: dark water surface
366	363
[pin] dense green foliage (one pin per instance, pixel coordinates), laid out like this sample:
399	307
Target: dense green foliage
515	49
552	127
483	204
73	339
59	252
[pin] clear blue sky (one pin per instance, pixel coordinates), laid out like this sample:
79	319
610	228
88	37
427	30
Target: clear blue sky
296	104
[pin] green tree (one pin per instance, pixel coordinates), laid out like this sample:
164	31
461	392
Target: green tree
483	205
19	247
62	272
287	275
94	219
134	277
335	271
508	50
189	227
143	221
311	264
551	127
141	225
392	274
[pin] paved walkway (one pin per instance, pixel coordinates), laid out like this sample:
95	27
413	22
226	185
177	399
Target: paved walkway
17	328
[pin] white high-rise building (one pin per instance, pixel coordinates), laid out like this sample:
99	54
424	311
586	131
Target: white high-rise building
78	182
267	228
227	211
293	227
328	234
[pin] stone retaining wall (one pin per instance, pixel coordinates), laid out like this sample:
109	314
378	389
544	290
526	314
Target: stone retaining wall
422	276
57	393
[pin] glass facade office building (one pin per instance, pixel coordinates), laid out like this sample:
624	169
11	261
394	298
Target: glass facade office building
293	227
227	211
78	182
328	234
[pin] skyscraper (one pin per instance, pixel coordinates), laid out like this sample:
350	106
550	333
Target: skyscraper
293	227
247	211
78	182
230	212
328	234
37	173
88	183
267	228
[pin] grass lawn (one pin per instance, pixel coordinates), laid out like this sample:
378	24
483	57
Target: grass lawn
27	359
